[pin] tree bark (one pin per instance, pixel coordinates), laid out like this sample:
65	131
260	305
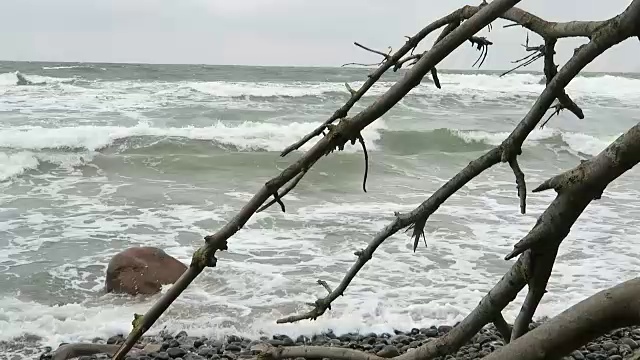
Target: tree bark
70	351
607	310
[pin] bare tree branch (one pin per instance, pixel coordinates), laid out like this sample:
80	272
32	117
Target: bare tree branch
348	129
550	70
537	52
385	56
487	310
410	44
607	310
546	29
540	269
284	192
503	327
576	188
508	150
345	130
521	184
534	267
482	44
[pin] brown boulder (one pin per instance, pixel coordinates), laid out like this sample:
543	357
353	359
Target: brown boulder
142	270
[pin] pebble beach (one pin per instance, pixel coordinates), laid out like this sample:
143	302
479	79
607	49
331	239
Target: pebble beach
616	345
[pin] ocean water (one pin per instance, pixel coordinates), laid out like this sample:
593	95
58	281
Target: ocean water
95	158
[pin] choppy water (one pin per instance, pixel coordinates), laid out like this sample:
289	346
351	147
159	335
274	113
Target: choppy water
101	157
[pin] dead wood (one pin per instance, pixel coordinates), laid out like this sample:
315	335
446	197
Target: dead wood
505	152
577	187
410	45
603	36
503	327
488	310
607	310
346	130
539	270
546	29
70	351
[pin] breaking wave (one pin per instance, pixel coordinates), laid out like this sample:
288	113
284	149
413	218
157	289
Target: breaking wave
604	85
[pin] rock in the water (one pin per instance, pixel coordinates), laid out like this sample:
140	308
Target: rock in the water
142	270
388	351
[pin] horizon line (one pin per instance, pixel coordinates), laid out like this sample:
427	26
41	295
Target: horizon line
281	66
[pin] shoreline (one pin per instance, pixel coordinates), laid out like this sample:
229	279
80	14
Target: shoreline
616	345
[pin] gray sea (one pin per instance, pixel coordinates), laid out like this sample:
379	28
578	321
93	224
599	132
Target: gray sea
95	158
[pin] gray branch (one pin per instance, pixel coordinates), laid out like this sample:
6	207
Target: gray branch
607	310
342	133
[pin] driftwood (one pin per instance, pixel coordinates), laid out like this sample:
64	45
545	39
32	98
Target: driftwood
607	310
576	188
70	351
536	251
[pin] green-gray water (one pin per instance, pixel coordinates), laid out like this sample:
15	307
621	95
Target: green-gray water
98	157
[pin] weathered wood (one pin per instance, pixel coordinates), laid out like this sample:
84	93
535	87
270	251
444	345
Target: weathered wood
607	310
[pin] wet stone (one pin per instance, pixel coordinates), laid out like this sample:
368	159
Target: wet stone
629	342
443	329
206	351
388	351
232	347
302	340
162	355
577	355
400	339
176	352
430	332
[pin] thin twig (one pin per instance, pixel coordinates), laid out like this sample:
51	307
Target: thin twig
284	192
410	45
521	184
359	64
601	41
366	162
385	56
325	285
550	70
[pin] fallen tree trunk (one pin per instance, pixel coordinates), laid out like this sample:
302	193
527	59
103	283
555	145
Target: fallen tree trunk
607	310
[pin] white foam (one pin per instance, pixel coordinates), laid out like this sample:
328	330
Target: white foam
237	89
576	142
485	85
245	136
10	79
585	143
16	164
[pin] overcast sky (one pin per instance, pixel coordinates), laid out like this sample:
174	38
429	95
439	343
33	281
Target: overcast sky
267	32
